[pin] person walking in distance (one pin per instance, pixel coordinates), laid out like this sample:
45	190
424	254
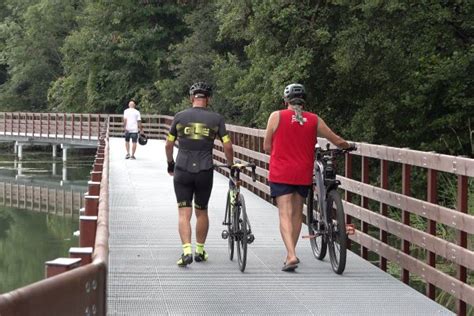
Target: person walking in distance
290	138
195	129
132	123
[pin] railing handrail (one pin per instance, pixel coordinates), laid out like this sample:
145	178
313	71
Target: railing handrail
81	291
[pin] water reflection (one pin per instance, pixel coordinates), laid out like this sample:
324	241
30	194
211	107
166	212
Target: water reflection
27	240
37	204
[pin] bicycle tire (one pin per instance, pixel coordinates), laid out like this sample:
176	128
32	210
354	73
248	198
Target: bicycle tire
318	243
337	232
241	232
229	219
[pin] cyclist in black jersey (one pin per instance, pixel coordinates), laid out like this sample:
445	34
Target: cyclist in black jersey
195	129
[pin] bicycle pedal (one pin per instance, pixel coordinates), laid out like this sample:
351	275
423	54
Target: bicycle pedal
350	229
250	238
310	236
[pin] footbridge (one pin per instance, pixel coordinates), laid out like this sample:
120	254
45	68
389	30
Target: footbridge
412	252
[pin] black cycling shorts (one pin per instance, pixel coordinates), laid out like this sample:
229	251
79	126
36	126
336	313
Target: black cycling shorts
278	189
187	185
133	136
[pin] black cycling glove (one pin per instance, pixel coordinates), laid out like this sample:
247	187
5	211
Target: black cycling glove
171	166
352	146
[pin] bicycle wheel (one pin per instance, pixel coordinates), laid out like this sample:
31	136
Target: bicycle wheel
229	219
337	232
313	215
241	232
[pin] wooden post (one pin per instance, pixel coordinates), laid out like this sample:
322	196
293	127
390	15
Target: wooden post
91	205
462	206
89	125
406	190
94	187
383	207
98	167
347	194
49	123
73	123
60	265
84	253
80	126
87	227
64	124
96	176
364	202
432	196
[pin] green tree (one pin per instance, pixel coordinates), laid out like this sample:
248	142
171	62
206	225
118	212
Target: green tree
30	38
117	53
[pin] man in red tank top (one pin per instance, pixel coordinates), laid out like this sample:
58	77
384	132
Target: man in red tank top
290	139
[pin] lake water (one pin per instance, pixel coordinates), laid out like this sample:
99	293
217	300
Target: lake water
39	211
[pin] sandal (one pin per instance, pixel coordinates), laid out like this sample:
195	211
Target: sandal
289	267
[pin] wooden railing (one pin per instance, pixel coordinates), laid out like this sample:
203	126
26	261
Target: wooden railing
41	199
384	216
82	290
155	126
380	204
52	125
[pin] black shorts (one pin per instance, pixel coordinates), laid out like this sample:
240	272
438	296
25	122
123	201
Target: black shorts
278	189
188	185
133	136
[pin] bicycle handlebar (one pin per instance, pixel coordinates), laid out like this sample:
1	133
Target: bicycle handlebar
334	151
240	167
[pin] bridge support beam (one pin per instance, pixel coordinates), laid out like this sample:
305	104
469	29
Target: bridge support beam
65	149
64	173
53	171
55	151
20	169
20	151
15	148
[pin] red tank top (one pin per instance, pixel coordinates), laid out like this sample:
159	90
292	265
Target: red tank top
292	156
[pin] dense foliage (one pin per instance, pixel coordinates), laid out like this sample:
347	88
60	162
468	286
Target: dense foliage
389	72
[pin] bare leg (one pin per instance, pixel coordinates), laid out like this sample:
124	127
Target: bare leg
297	219
185	224
127	147
134	148
285	208
202	225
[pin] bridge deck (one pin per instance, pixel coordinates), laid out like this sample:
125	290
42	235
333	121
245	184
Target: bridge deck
144	246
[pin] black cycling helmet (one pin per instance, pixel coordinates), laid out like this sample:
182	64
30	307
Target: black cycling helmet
294	93
200	88
142	139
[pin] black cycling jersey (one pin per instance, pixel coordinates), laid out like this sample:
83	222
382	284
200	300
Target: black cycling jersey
196	128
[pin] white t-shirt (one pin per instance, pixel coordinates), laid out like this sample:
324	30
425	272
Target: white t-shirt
133	116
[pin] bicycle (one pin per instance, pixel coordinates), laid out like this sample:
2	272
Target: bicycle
238	229
325	213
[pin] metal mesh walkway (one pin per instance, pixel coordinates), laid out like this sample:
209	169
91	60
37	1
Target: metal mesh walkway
144	246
